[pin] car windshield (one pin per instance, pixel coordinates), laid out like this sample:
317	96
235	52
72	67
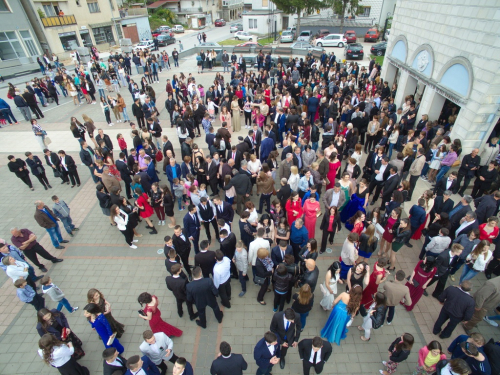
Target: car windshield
350	34
304	33
286	33
371	32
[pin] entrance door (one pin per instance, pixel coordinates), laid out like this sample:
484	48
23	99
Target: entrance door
130	32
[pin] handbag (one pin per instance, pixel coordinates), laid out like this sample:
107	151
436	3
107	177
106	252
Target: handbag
416	284
47	140
260	280
57	173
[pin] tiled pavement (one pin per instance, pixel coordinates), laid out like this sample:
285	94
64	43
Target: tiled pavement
97	258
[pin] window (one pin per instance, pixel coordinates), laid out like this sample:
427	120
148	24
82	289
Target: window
365	12
252	23
69	40
93	6
265	3
28	41
103	35
49	10
3	6
10	47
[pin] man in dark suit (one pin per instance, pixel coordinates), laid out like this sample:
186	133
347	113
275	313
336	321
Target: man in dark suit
236	155
228	248
87	156
445	261
181	245
136	364
207	216
442	204
286	150
469	222
113	363
192	226
202	293
378	178
53	161
417	217
145	179
314	353
469	166
167	145
267	145
205	259
278	252
446	183
68	167
104	137
390	185
249	142
458	306
257	139
286	325
212	171
244	146
132	159
459	212
267	353
487	206
177	285
242	185
125	173
228	363
223	210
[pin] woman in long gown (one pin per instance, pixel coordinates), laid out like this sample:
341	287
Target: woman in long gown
377	277
333	166
346	305
311	211
236	114
226	116
329	287
388	236
355	223
153	315
428	196
293	208
95	296
347	188
97	320
419	279
358	202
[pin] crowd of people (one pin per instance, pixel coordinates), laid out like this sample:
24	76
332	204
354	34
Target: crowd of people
308	124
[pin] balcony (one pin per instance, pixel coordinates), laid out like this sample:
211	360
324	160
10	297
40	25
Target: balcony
231	4
59	21
134	12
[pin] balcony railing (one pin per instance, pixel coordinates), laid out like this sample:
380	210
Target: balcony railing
59	21
135	12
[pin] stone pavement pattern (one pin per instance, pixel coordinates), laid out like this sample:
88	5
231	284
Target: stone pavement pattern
97	257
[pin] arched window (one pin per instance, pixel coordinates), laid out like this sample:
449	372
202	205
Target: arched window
457	76
399	51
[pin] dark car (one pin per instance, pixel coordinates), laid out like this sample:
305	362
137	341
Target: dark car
322	32
165	40
378	49
219	23
354	51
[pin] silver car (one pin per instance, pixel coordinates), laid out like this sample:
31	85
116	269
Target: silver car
305	36
236	27
287	37
305	46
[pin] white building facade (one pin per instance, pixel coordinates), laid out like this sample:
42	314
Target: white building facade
448	51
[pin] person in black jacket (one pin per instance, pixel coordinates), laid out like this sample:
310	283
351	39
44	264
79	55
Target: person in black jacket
228	248
442	204
308	352
202	293
178	286
104	137
138	113
286	325
182	245
113	363
329	227
284	192
37	169
458	306
31	101
87	156
487	175
18	166
68	167
469	166
228	363
487	206
125	173
242	185
205	259
399	351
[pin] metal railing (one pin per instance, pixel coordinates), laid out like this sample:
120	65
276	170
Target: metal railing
136	12
59	21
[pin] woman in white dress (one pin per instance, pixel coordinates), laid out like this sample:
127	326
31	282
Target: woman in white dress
59	355
329	287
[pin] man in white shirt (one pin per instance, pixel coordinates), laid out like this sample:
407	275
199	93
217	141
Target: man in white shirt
333	197
378	179
113	362
314	353
467	223
158	347
255	245
222	277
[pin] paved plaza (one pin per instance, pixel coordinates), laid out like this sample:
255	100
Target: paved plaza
97	257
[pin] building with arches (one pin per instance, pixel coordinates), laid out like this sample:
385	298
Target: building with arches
447	54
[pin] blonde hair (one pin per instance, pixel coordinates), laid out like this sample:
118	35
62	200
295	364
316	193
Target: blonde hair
294	169
262	253
370	232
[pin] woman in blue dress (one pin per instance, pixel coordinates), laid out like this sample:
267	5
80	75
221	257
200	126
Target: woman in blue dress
99	322
346	306
358	202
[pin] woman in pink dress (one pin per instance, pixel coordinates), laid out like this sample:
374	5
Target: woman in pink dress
378	276
153	315
419	279
311	210
332	172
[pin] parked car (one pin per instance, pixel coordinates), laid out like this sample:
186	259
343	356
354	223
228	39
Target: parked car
293	30
305	46
305	36
145	44
165	28
219	23
250	44
287	37
379	49
350	36
354	51
209	44
243	35
332	40
322	33
156	32
178	29
236	27
372	35
165	40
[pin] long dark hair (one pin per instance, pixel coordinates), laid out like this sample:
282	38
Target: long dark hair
355	295
444	220
166	190
430	261
40	314
356	216
333	268
406	344
47	343
435	345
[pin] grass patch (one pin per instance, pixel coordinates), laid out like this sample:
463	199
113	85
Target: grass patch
378	59
234	42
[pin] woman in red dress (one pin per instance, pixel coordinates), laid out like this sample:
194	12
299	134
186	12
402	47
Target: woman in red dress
420	277
153	315
311	210
267	95
293	208
145	209
388	236
332	172
356	223
489	231
378	276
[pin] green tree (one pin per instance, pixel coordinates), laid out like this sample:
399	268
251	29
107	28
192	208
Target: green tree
299	6
166	14
340	7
